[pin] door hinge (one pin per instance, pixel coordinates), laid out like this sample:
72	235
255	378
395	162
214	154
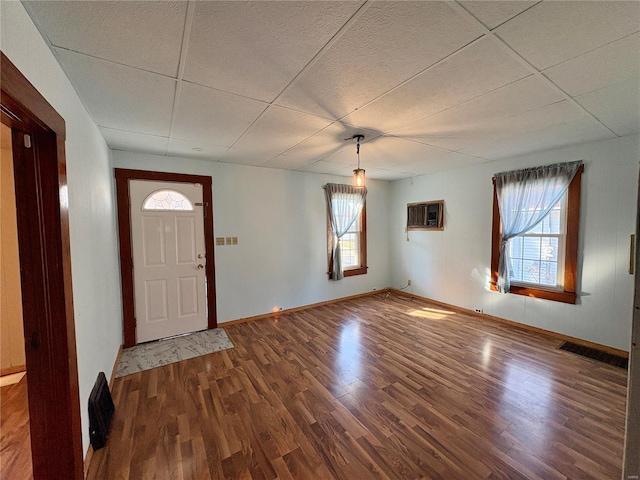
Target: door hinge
27	140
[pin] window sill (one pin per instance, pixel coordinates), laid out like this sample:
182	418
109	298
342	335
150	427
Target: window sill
352	272
556	296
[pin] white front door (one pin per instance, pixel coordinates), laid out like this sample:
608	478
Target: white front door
167	238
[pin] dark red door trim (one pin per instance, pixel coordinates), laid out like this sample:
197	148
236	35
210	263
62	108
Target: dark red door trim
45	272
124	228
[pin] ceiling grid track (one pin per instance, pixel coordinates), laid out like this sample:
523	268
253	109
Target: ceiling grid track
357	14
188	22
525	63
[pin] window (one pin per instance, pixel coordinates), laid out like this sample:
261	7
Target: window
353	247
544	259
167	200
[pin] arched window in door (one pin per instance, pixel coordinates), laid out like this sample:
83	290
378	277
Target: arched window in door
166	200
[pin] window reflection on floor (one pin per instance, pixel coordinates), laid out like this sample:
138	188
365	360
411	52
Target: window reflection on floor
349	353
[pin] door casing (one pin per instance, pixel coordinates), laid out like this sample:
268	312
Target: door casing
126	255
45	272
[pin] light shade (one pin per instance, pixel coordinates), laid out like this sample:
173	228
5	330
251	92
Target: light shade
358	177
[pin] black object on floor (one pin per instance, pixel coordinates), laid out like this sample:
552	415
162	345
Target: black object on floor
101	410
595	354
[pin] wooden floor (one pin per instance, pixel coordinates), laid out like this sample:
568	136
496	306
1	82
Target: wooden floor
371	388
15	437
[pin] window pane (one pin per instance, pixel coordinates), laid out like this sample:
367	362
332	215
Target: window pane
350	250
167	200
531	271
549	273
531	250
515	245
549	250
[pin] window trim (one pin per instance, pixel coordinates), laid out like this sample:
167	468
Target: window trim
351	271
568	294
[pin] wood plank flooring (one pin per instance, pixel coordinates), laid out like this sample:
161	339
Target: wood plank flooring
15	436
371	388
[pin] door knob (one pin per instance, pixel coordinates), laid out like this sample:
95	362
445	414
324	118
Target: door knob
200	255
200	266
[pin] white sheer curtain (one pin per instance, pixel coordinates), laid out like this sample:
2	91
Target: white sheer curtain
344	204
525	198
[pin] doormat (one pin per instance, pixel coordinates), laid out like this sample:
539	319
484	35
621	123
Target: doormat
163	352
595	354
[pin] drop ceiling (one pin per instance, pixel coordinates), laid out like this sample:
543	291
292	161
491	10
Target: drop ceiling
432	85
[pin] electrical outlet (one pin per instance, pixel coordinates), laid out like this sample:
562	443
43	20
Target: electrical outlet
408	283
479	310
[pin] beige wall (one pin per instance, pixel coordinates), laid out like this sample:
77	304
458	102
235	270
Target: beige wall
11	331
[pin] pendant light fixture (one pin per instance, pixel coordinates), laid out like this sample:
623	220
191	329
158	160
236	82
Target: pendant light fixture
358	173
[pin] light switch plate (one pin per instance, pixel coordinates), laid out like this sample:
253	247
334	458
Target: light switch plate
234	240
228	240
219	240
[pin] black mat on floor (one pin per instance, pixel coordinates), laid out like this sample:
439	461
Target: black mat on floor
596	354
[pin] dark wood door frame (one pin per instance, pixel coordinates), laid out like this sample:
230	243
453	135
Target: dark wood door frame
45	273
126	255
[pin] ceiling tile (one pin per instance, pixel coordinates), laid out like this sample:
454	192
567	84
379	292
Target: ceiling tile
476	70
613	63
321	167
277	130
387	175
388	44
329	141
494	13
149	34
121	97
256	48
617	106
588	130
199	150
484	133
385	152
446	161
134	142
212	116
527	94
553	32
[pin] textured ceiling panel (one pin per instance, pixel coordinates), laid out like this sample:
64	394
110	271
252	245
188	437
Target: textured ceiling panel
134	142
613	63
389	43
446	161
327	142
494	13
527	94
256	48
553	32
385	152
476	70
485	133
277	130
146	35
213	117
121	97
200	150
416	77
555	136
617	106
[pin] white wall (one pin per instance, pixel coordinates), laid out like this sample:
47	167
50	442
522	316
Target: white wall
279	218
452	266
94	251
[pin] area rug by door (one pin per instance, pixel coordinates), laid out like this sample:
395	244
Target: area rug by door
163	352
